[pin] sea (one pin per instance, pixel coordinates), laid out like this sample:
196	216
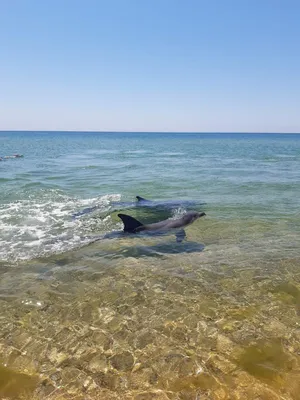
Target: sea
89	315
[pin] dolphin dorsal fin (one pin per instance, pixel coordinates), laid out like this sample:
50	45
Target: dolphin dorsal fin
139	198
130	223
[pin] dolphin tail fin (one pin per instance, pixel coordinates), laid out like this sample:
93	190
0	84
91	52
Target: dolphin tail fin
130	223
139	198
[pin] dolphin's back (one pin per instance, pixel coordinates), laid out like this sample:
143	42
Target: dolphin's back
133	225
142	200
162	225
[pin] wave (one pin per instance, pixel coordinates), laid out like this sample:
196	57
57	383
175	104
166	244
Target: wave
43	225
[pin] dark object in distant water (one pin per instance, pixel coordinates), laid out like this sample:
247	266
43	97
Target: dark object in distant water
132	225
13	156
141	202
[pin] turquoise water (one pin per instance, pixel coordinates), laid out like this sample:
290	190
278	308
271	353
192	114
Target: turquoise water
138	317
237	175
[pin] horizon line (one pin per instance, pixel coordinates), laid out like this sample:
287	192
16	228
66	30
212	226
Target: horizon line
137	131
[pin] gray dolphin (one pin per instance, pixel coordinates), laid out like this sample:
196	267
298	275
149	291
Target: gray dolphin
132	225
171	204
163	205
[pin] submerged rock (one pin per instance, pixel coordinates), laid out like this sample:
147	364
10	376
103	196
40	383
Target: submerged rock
122	361
266	360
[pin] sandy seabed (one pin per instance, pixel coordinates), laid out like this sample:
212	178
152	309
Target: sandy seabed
118	321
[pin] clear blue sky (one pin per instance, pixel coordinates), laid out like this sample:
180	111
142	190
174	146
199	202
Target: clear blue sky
150	65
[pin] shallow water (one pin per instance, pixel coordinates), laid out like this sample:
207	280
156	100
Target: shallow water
214	317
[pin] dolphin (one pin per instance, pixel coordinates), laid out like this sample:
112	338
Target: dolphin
132	225
171	204
143	203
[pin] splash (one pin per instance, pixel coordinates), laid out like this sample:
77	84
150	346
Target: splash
42	225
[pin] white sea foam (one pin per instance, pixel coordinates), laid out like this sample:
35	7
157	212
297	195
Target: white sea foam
178	212
44	225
